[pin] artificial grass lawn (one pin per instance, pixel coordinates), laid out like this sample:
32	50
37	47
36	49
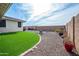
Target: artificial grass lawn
13	44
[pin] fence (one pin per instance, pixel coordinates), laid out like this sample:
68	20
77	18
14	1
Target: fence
72	29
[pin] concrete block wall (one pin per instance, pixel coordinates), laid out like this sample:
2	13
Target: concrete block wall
45	28
77	33
72	29
69	30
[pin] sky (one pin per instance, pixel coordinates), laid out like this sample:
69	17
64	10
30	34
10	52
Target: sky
43	12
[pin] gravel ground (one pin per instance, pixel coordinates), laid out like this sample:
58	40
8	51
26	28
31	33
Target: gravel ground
51	45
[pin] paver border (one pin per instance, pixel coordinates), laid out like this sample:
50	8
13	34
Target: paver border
32	47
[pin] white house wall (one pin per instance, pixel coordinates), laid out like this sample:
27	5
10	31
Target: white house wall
11	26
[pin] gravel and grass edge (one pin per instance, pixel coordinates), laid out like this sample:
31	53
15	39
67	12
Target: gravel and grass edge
32	47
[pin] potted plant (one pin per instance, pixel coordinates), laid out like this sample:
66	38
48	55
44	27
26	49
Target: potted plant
68	46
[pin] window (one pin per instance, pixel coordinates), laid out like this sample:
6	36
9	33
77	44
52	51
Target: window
2	23
19	24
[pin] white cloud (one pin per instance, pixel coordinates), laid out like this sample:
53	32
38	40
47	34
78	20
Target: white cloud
41	6
38	6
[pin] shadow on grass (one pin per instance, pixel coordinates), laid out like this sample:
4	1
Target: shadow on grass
8	33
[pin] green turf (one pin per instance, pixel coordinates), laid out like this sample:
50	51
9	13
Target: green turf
13	44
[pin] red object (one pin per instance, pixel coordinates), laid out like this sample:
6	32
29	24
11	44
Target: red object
68	46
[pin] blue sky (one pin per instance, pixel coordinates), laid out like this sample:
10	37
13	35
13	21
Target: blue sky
43	13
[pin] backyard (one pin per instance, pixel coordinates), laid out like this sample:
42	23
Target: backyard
15	43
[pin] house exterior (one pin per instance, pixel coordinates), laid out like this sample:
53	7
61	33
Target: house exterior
9	24
72	29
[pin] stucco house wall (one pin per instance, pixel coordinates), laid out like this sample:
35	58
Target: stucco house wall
11	26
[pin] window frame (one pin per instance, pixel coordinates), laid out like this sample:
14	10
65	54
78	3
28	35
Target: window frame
3	24
19	24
